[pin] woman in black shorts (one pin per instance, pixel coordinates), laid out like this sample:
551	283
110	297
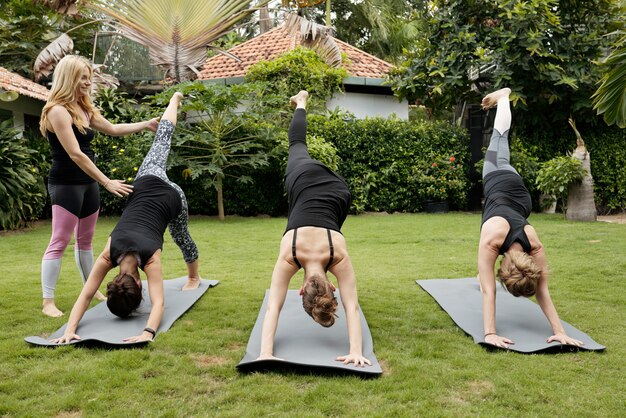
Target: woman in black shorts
318	205
137	240
506	231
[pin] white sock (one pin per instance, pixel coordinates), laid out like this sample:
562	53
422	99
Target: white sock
84	262
50	270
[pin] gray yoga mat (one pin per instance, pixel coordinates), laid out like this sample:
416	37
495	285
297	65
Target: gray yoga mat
518	319
99	326
305	345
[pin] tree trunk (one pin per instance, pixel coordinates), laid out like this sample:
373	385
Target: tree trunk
265	21
580	202
220	199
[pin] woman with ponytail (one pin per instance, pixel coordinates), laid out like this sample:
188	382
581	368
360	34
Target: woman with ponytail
68	120
318	205
505	231
136	241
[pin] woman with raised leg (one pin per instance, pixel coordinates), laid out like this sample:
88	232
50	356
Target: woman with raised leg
505	231
318	205
136	241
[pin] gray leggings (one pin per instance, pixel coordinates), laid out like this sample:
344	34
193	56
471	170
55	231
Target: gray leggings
154	164
498	155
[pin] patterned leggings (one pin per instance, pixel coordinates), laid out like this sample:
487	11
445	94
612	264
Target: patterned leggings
154	164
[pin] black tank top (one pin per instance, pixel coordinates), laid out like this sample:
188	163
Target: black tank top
317	197
507	196
151	206
63	169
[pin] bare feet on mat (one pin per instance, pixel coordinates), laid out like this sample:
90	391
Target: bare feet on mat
299	100
491	99
99	296
268	357
192	283
50	309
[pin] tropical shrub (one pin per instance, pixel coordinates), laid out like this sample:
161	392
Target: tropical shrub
555	176
22	190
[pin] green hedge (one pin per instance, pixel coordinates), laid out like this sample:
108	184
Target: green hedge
381	159
608	167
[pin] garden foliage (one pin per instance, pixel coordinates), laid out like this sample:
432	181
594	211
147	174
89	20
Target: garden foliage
22	189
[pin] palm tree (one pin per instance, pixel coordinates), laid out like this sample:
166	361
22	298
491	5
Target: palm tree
610	98
176	33
580	202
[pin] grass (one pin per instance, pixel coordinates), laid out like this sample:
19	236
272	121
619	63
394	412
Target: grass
430	367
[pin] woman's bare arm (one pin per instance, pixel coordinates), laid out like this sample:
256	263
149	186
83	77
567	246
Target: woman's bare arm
545	301
491	236
155	288
99	271
346	279
282	274
101	124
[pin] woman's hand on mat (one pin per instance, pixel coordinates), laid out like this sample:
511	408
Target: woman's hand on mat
66	338
118	187
357	359
145	336
564	339
498	341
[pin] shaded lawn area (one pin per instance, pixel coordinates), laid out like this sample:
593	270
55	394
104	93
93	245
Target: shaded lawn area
430	367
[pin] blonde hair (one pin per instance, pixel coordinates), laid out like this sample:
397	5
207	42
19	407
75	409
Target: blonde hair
519	273
64	92
319	301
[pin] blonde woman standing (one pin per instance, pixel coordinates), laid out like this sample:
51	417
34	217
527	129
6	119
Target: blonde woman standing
68	120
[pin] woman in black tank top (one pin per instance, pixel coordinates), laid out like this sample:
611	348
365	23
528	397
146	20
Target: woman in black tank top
136	241
68	120
505	230
318	205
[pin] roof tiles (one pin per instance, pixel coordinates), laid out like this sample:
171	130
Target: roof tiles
14	82
277	41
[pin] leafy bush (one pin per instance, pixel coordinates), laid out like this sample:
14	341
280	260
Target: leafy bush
299	69
443	180
608	154
555	175
22	190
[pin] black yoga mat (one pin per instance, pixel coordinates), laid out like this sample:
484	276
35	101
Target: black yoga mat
306	345
519	319
100	326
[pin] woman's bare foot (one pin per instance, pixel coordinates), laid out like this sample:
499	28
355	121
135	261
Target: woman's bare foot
50	309
177	97
491	99
100	296
299	100
192	283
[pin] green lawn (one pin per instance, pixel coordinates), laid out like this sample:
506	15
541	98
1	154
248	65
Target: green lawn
430	367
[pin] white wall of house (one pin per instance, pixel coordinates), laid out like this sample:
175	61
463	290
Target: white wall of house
363	105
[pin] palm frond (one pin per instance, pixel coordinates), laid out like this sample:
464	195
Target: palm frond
610	98
315	36
50	56
176	32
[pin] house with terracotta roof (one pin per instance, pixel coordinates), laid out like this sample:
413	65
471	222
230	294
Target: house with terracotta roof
365	93
21	99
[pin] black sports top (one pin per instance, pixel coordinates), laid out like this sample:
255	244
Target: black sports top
63	169
317	197
151	206
507	196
